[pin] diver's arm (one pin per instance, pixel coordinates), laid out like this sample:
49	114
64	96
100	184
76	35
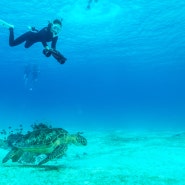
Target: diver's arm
54	42
45	45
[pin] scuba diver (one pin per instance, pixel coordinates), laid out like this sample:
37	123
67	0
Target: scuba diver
46	34
35	73
31	74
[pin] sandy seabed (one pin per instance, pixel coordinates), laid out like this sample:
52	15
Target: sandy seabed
111	158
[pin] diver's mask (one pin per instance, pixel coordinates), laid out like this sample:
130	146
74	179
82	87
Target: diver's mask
56	29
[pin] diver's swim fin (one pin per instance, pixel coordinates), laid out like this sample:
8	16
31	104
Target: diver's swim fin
58	56
46	52
5	24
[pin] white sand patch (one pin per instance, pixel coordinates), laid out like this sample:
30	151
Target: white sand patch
111	158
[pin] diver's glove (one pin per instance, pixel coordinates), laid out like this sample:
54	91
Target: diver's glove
46	52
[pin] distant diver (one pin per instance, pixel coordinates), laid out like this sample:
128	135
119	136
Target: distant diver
31	73
27	72
35	73
89	3
46	34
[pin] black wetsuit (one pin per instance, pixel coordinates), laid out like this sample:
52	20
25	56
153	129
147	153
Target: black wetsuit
30	37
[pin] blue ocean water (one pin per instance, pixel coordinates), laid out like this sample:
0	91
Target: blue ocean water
122	87
125	65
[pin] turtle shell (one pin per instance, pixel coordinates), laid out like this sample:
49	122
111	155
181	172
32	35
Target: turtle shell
41	141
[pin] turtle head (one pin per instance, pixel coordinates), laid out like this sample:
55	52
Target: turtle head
79	140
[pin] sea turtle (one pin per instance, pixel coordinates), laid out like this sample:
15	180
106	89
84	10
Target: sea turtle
50	141
12	136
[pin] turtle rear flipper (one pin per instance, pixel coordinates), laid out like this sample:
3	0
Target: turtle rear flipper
17	156
10	155
58	152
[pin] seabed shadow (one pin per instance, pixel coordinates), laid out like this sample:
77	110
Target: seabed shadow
40	168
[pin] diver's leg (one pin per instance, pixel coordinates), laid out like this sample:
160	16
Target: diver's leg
28	44
19	40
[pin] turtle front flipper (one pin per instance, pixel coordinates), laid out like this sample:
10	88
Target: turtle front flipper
58	152
14	153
